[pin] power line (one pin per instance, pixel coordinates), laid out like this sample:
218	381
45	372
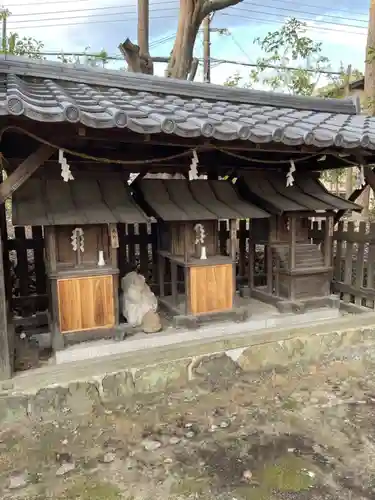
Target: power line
167	2
128	19
163	9
68	25
315	6
104	20
212	59
56	2
313	28
296	11
88	16
239	46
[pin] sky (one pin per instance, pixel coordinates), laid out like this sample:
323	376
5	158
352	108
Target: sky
76	25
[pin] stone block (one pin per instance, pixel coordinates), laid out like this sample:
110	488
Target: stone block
162	377
117	386
83	397
215	368
13	409
48	403
272	355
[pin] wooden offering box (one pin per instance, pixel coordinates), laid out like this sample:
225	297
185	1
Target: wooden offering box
201	281
83	292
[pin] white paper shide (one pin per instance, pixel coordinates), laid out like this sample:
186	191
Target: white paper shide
200	236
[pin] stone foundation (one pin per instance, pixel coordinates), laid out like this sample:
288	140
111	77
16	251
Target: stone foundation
55	392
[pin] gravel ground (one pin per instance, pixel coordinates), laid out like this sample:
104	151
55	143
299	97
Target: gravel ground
283	436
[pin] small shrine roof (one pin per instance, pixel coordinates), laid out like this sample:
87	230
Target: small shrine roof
49	202
182	200
269	190
53	92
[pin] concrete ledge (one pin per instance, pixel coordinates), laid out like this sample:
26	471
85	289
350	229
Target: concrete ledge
75	388
253	326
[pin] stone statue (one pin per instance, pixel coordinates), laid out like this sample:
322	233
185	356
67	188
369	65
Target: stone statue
139	303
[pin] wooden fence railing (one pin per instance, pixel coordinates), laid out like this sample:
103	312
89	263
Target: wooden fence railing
354	261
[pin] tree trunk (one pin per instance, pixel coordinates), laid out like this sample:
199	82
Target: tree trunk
191	15
189	21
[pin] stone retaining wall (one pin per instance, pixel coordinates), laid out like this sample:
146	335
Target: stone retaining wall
213	362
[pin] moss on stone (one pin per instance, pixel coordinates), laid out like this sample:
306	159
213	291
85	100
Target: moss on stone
288	474
186	486
290	404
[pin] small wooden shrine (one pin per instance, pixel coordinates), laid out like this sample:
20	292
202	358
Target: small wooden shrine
297	269
202	282
81	241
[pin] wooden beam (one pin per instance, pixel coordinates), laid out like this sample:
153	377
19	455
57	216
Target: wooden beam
24	171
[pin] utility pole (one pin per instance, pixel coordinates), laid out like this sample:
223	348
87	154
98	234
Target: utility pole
143	26
206	50
349	170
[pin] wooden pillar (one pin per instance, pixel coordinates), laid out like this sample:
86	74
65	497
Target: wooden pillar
328	241
233	251
268	254
292	242
186	269
251	258
6	361
6	260
292	252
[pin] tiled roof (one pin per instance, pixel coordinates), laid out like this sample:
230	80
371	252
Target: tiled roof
54	92
41	202
182	200
270	192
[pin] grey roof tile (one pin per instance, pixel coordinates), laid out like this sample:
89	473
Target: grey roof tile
53	92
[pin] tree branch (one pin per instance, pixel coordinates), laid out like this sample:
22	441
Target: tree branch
193	69
137	63
210	6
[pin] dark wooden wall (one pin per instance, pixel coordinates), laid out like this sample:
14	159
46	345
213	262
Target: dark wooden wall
26	274
353	250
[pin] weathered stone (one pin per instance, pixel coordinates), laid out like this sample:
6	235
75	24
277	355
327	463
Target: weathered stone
7	385
13	409
277	354
162	377
82	397
109	457
48	403
247	475
216	368
18	481
150	445
137	298
151	322
65	469
117	386
174	440
224	424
